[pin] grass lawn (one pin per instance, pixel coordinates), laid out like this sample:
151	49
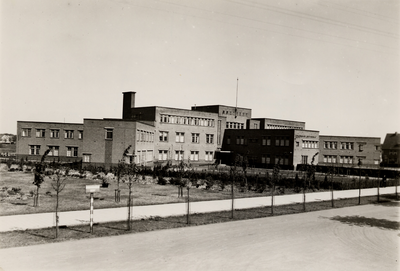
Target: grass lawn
73	197
47	235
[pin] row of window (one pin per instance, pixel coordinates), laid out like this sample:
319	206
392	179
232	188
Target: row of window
342	159
234	125
180	137
266	141
54	151
344	145
273	126
309	144
54	133
187	120
235	112
334	145
144	136
179	155
279	159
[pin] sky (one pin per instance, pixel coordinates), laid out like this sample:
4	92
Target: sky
333	64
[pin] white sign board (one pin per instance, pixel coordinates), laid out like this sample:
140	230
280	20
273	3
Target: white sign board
92	188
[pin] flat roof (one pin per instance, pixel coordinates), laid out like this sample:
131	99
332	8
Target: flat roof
49	122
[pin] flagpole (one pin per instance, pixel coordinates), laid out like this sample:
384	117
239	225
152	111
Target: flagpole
237	90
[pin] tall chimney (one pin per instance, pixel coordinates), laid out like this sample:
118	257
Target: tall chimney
127	104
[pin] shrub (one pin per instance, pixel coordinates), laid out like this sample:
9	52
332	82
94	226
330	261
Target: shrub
261	185
209	182
11	192
9	163
16	189
161	180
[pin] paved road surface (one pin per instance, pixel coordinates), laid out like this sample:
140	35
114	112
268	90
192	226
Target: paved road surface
35	221
353	238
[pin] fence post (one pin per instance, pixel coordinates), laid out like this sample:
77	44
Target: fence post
188	205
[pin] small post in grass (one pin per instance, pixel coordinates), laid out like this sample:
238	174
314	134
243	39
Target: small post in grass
379	180
91	189
233	198
188	205
397	184
359	181
332	173
91	212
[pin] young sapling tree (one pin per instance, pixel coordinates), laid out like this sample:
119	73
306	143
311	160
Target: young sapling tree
39	173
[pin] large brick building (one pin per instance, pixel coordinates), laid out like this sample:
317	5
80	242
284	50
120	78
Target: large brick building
181	134
64	139
159	134
267	147
347	151
391	150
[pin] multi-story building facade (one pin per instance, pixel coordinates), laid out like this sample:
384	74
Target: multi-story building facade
347	151
391	150
229	117
181	134
64	139
163	134
265	123
107	139
266	147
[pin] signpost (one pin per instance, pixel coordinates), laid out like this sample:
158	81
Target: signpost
91	189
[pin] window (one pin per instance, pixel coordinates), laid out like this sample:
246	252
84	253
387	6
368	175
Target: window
240	140
266	159
279	160
255	125
80	134
330	145
194	156
286	142
178	155
304	159
34	149
361	147
26	132
40	132
87	158
209	156
72	151
163	136
209	138
195	138
347	145
180	137
53	150
346	159
109	133
297	144
310	144
54	133
330	159
277	140
228	140
162	155
69	134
